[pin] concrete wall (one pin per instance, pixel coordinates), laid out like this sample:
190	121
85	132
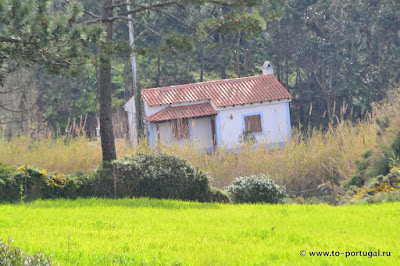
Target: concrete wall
130	108
200	133
275	122
149	110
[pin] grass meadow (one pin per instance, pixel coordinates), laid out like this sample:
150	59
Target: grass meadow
163	232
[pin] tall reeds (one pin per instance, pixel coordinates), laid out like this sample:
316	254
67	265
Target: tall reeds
306	160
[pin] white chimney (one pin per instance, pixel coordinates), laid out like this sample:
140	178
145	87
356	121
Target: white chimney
267	68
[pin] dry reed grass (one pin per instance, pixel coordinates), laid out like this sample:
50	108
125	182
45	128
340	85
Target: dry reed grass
306	161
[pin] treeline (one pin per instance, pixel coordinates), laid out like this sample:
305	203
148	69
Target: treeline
335	58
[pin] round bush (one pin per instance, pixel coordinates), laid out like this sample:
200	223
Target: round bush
159	176
255	188
10	255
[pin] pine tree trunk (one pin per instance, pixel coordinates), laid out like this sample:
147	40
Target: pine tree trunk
158	70
175	69
221	57
238	55
201	64
246	62
300	88
106	129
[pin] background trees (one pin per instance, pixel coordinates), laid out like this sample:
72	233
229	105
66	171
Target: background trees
335	57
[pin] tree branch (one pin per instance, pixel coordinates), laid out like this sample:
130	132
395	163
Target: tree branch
85	11
13	111
168	15
12	122
119	4
135	21
10	40
11	91
143	8
221	3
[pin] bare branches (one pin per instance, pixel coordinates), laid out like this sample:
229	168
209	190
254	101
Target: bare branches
143	8
168	15
13	111
154	7
11	91
119	4
12	122
135	21
90	14
221	3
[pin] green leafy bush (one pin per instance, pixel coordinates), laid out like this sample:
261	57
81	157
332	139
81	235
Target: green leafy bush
255	188
384	156
156	176
143	175
247	137
30	183
354	181
10	255
6	170
218	195
84	183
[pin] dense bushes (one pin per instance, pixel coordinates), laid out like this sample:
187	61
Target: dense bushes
143	175
158	176
378	171
14	256
155	176
256	188
384	156
30	183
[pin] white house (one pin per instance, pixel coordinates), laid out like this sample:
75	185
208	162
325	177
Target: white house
216	113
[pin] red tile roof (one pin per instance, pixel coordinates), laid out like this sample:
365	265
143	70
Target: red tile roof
222	93
177	112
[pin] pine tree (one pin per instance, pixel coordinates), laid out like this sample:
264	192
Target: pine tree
29	34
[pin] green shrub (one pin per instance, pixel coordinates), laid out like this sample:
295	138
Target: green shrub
6	170
354	181
143	175
6	192
30	183
383	158
84	183
247	137
10	255
218	195
156	176
255	188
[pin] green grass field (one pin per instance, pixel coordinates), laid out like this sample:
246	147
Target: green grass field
126	231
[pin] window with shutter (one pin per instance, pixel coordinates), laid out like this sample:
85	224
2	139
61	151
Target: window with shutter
253	123
180	129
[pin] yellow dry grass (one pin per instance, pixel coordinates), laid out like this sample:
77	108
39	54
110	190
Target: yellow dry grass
305	161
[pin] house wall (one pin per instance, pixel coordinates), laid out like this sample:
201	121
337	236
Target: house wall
200	132
165	132
275	125
275	122
149	110
130	108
